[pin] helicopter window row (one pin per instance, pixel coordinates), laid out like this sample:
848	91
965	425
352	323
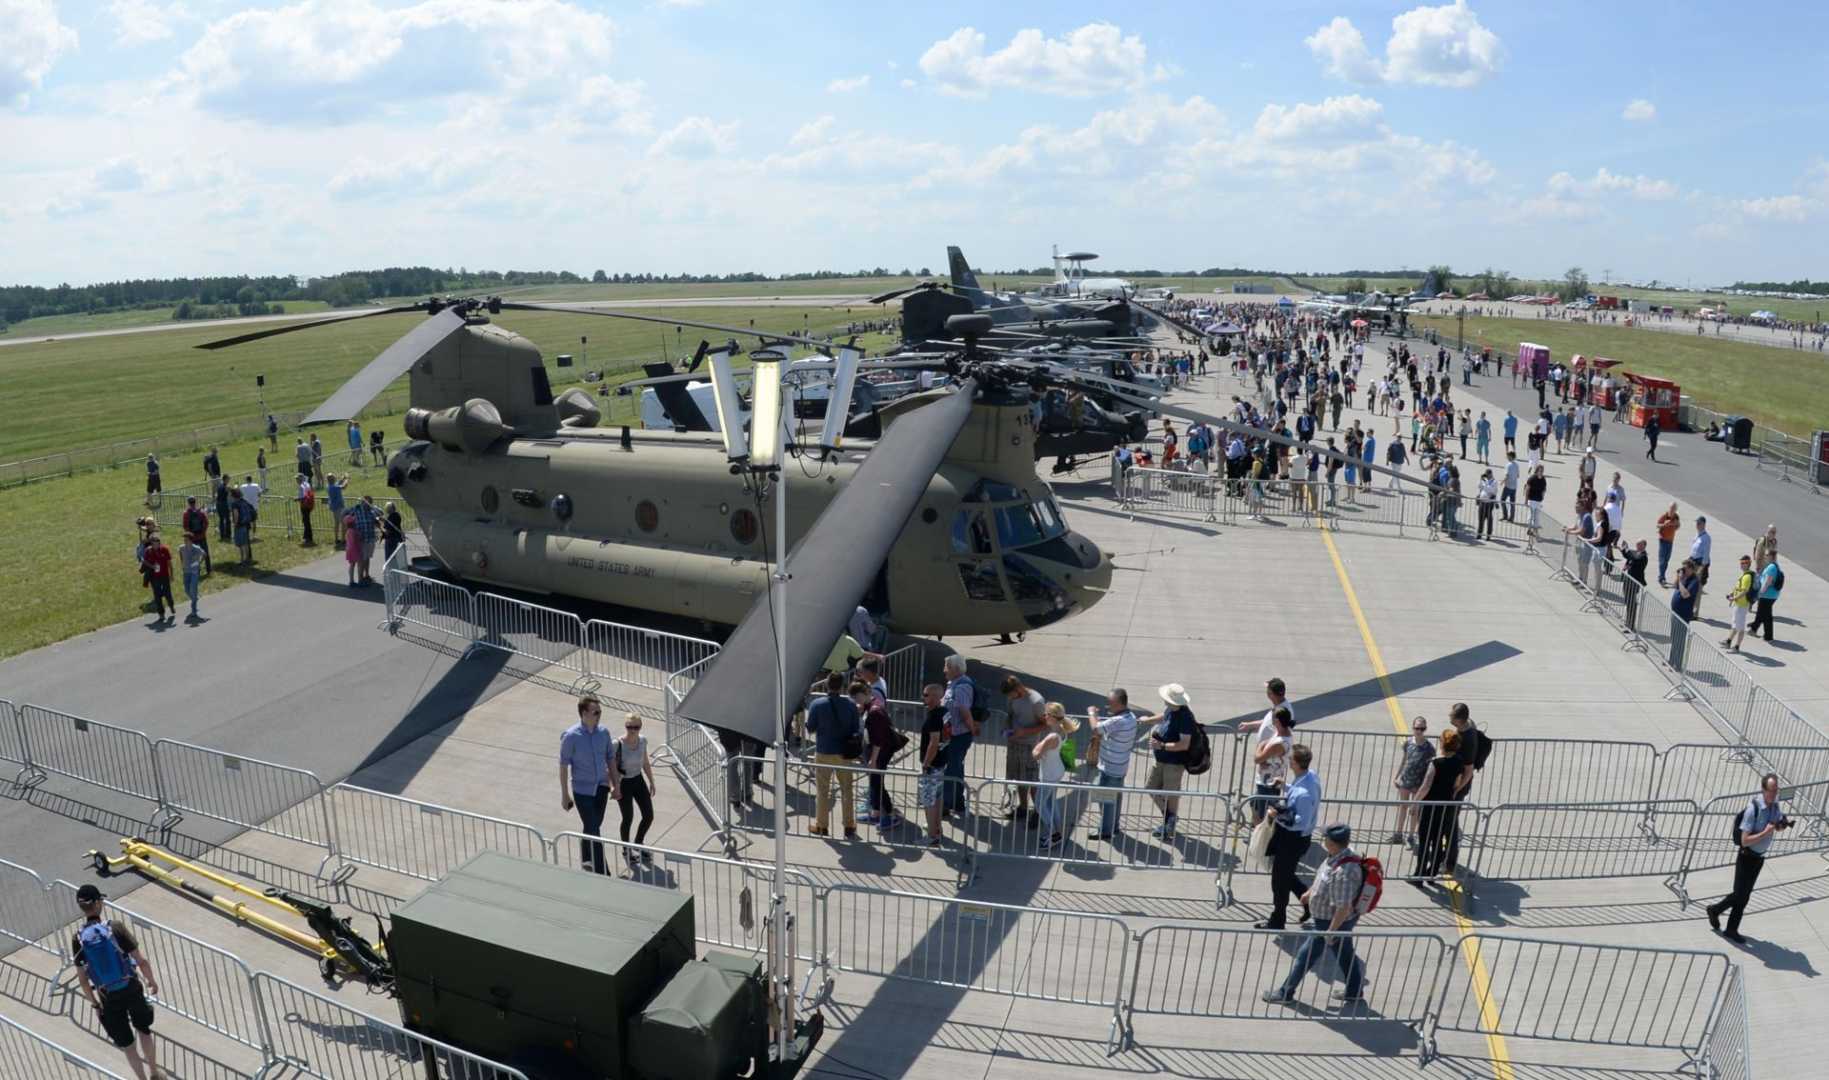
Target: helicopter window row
981	581
993	491
1028	523
971	536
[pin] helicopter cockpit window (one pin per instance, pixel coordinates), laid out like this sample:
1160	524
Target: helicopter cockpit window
542	389
562	507
981	582
1050	515
992	491
1018	526
971	536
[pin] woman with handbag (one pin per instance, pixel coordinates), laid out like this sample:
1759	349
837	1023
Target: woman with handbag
1051	768
1271	758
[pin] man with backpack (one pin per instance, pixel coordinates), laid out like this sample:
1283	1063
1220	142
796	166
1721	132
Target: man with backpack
1347	886
1754	829
1771	583
116	977
1173	733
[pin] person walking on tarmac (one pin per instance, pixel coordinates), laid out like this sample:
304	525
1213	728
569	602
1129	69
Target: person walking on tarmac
116	977
1759	823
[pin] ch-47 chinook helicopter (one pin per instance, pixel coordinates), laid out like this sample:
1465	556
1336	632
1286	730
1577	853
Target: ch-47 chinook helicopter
516	487
941	524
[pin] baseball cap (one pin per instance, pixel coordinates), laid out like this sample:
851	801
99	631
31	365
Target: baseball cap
89	894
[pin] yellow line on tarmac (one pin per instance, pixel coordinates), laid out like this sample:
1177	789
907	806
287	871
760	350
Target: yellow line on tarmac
1470	951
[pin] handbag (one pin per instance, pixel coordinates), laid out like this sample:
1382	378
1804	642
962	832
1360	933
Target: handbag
1259	847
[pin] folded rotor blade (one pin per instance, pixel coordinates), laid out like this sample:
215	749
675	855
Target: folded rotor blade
828	571
1167	318
395	360
274	331
765	335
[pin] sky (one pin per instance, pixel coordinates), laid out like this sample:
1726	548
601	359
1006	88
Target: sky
1671	141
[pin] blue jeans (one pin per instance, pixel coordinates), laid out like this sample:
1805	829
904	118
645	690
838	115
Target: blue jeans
193	585
1108	811
1664	547
1311	950
1045	809
957	748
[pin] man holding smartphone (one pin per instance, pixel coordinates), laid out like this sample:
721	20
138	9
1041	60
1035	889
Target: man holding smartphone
1759	823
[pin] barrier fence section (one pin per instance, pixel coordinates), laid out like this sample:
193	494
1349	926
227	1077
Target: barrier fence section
32	912
114	758
547	636
1222	973
730	896
322	1037
31	1056
902	670
1728	1052
1166	491
211	987
253	794
1414	840
12	740
1585	841
419	839
636	656
1203	828
1036	953
1607	995
437	606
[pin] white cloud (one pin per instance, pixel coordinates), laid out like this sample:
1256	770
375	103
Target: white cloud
1604	182
334	61
1344	137
1787	208
120	174
141	22
908	84
846	86
1351	115
1095	59
813	132
435	173
1554	207
1430	46
695	137
1639	109
33	40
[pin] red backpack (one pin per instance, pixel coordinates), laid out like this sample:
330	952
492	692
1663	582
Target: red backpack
1371	887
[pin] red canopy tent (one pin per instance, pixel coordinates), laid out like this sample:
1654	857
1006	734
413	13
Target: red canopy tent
1655	396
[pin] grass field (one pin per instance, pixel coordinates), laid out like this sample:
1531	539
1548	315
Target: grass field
48	325
86	392
841	287
1785	389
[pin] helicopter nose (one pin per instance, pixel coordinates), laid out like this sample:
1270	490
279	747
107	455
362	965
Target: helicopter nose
1092	580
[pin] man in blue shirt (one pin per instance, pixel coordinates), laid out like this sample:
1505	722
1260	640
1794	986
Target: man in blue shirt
1759	823
1511	432
960	702
833	720
1295	823
1770	583
584	777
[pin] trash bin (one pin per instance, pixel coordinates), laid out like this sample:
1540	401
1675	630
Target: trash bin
1740	434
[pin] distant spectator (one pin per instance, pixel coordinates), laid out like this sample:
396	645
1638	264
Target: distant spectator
355	445
221	491
352	545
307	501
195	523
368	527
212	464
250	493
190	560
303	453
881	741
632	784
243	514
376	447
1740	601
1771	583
260	465
273	432
154	485
333	497
962	728
317	457
1171	737
157	563
1052	769
1668	523
393	533
1408	777
833	721
930	792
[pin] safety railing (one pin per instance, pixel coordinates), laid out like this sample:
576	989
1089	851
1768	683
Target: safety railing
114	758
33	913
1203	827
1169	491
318	1036
207	985
437	606
902	670
12	740
31	1056
1727	1050
636	656
419	839
253	794
1414	840
547	636
1222	973
1586	841
704	768
1607	995
730	897
1036	953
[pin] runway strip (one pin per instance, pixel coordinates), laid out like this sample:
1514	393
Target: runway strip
1470	947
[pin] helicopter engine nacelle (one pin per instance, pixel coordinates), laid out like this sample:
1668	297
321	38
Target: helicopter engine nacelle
472	427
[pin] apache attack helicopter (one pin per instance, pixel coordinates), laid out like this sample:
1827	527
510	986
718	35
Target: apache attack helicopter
514	486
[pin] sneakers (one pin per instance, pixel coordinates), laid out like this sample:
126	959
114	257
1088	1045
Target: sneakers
1277	997
932	842
1341	997
1164	831
647	858
1094	834
817	830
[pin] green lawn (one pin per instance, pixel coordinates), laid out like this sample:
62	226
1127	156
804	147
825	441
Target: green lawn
47	325
69	394
842	287
1785	389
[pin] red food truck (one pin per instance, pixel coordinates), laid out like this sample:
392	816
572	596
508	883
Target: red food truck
1587	364
1655	397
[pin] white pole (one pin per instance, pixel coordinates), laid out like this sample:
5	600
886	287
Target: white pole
784	958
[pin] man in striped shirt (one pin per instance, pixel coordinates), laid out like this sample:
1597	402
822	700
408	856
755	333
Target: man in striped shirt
1117	735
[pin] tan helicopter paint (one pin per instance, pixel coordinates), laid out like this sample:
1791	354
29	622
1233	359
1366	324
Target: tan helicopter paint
656	526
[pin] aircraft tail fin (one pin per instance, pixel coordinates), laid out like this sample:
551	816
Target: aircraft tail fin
962	275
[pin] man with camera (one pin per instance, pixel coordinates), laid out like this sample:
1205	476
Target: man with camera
1759	823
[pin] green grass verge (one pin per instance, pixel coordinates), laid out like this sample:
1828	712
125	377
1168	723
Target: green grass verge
1785	389
49	325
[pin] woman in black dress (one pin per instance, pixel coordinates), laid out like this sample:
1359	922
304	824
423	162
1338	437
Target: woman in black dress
1436	827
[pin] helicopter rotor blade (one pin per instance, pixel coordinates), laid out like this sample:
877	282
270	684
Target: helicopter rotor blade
1170	319
841	554
766	336
395	360
275	331
884	298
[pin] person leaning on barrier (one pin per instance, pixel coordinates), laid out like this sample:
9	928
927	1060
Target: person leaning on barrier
881	741
1636	559
1334	901
1026	725
1761	821
584	778
1170	738
1295	821
116	977
834	723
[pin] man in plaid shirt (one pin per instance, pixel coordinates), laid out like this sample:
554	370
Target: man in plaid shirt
368	526
1332	901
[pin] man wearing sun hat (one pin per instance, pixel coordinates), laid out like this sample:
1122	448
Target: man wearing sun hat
1171	735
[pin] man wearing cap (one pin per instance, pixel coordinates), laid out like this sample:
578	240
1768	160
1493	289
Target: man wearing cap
110	967
1334	900
1171	737
1295	822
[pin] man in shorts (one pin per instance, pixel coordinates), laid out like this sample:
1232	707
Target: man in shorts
1026	727
111	968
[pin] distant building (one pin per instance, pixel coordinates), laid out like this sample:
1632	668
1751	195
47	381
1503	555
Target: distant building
1250	287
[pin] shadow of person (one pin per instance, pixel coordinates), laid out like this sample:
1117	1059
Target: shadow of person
1778	958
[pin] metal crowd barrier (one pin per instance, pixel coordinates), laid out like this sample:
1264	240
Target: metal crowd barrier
318	1036
1203	828
636	656
1169	491
12	740
1606	995
419	839
437	606
1036	953
33	915
547	636
902	670
276	799
730	897
1727	1051
1584	841
113	758
1221	973
1414	840
31	1056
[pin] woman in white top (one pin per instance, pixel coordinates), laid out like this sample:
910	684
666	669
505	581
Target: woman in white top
1051	769
632	783
1272	759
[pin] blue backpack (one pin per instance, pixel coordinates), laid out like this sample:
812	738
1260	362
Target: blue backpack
109	967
